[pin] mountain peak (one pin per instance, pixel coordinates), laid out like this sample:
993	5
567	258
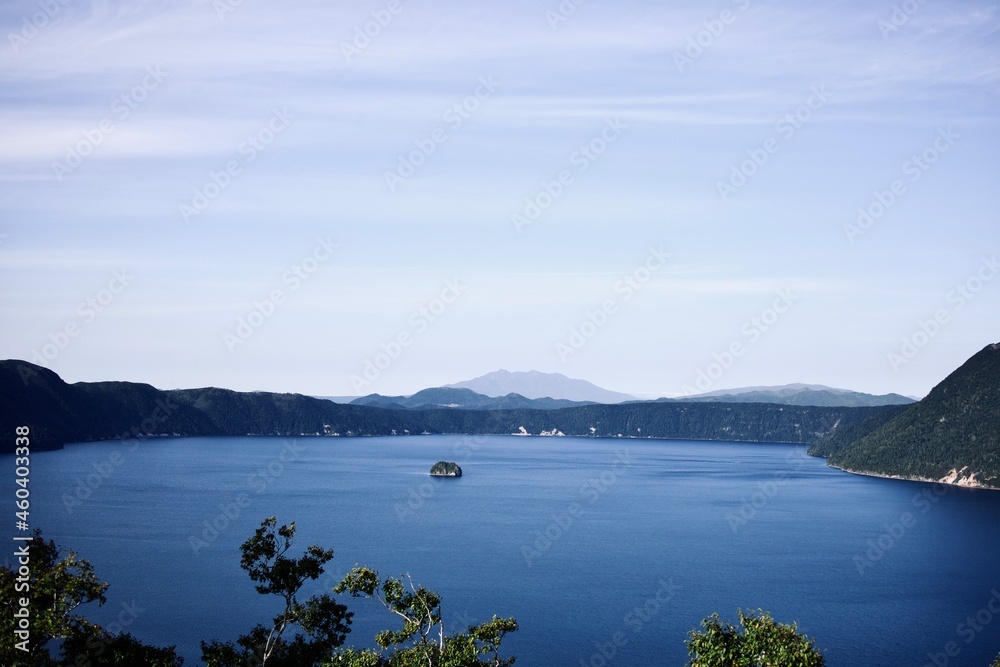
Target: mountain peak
536	384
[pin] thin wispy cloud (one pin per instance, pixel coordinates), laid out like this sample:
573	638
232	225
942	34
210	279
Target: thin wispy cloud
744	146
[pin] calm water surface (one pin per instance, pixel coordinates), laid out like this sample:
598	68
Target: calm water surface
579	539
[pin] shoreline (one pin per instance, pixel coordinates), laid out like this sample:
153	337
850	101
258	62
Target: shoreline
927	480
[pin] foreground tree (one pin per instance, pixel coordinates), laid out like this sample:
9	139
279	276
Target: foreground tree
323	621
758	642
100	648
421	641
56	583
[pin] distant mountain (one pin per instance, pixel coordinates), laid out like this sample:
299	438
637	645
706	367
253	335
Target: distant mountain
534	384
796	386
338	399
952	435
799	394
465	399
58	413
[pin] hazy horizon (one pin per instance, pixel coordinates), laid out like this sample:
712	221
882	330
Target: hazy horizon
260	197
639	396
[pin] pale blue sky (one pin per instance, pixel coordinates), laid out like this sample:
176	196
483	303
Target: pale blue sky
198	81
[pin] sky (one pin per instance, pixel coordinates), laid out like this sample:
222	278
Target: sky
357	197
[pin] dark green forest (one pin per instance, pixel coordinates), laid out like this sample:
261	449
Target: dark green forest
956	427
60	413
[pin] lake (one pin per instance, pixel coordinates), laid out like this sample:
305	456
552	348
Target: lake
607	551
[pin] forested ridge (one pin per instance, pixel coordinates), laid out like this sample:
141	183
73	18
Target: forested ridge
954	431
60	413
955	428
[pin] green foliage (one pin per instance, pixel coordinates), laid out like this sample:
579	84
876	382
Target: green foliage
62	582
99	648
759	641
833	443
996	661
421	641
59	583
956	426
325	622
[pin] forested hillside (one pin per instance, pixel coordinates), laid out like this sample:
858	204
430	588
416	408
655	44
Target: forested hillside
58	413
953	433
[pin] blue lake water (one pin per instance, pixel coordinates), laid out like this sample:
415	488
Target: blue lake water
584	541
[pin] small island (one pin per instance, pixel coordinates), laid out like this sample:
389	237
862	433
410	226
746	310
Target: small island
445	469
